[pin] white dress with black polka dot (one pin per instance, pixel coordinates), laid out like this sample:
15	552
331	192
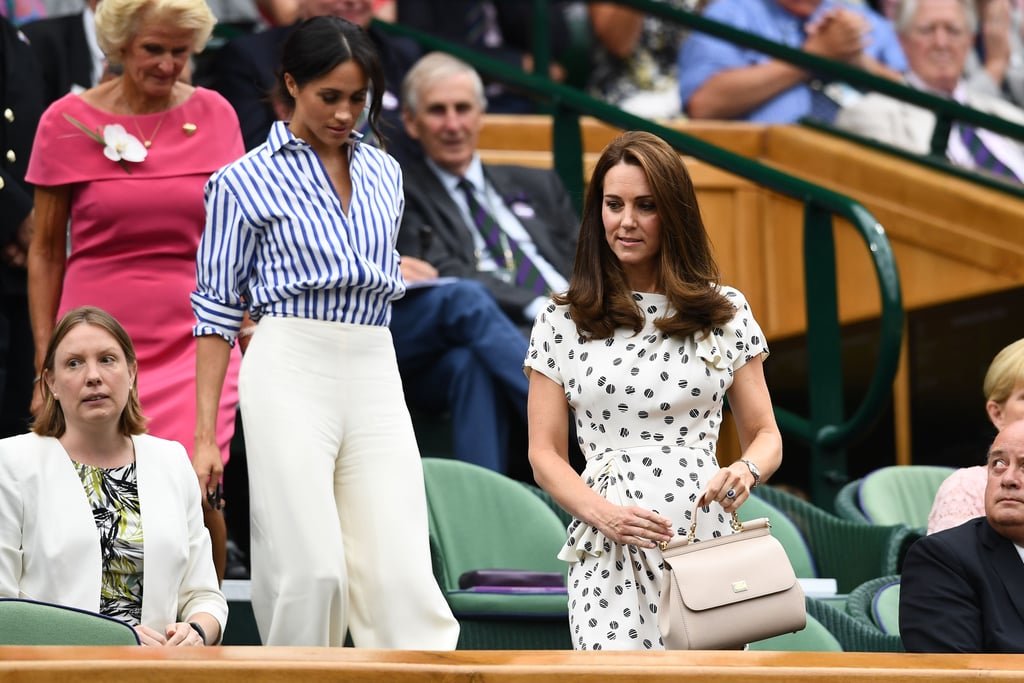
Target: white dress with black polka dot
648	409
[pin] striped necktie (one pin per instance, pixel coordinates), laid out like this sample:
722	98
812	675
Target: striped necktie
500	246
984	157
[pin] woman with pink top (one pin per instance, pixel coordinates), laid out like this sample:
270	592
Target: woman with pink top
962	495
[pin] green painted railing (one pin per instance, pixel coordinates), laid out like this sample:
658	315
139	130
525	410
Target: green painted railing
827	429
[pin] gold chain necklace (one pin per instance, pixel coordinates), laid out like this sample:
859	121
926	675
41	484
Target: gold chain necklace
147	142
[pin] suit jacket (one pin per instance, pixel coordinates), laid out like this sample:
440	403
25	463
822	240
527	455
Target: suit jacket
962	590
21	106
50	549
246	75
63	53
433	228
910	127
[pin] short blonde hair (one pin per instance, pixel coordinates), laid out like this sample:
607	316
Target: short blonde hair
1004	373
118	22
50	421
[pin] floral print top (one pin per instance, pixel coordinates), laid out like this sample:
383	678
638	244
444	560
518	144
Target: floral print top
114	497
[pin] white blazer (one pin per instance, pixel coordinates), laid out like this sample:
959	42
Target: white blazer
49	545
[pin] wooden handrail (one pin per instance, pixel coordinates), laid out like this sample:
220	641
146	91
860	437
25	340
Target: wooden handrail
284	665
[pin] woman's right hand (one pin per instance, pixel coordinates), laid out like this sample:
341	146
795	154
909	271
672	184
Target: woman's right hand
148	636
634	525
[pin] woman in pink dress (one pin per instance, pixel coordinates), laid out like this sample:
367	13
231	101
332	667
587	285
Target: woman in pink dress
126	163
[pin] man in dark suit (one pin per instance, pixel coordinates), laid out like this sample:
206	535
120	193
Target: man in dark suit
21	106
443	108
962	589
443	105
245	72
66	49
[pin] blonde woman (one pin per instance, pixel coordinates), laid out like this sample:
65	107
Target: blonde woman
962	495
126	162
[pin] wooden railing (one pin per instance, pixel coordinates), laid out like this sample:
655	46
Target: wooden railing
313	665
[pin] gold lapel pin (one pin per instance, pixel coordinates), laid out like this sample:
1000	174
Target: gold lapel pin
189	129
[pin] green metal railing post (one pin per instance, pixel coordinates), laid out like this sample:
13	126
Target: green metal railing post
567	145
824	349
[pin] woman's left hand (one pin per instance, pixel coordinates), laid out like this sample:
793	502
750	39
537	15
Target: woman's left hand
736	480
183	635
178	635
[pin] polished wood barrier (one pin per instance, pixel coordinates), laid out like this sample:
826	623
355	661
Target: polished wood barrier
250	664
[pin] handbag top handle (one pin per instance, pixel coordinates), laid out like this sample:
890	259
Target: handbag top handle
735	523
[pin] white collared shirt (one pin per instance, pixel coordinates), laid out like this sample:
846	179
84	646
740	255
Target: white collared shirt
98	58
278	238
1006	151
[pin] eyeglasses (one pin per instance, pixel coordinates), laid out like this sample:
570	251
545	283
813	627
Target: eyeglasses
930	30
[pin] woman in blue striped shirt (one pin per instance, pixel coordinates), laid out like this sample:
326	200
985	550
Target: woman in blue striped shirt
302	230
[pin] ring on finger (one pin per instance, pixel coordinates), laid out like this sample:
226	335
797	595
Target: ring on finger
731	493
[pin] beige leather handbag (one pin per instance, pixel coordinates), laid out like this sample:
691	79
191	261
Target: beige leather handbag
726	592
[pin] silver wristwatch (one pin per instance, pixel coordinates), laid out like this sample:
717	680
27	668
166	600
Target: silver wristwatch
753	470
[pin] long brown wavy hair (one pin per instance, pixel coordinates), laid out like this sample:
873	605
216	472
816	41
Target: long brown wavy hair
599	297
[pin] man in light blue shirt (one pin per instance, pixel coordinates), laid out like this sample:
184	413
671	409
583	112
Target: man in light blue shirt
720	80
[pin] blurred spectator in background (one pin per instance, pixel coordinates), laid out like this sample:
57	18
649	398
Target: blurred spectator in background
503	30
19	12
450	192
635	58
937	35
720	80
962	495
21	105
996	64
66	49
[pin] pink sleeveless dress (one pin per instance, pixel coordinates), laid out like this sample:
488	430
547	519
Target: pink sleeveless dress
134	235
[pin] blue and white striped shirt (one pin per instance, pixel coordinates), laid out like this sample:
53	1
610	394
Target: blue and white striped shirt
278	241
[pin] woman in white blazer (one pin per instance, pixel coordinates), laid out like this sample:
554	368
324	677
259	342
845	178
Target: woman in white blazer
96	514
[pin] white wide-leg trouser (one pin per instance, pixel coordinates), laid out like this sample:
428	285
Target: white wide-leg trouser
339	515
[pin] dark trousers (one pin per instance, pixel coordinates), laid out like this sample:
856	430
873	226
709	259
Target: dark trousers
457	352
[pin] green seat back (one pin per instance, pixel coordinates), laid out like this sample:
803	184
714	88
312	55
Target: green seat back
901	494
785	531
27	622
877	604
853	634
886	608
847	502
879	549
480	519
813	638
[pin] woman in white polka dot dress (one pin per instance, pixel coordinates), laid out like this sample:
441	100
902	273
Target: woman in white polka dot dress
644	346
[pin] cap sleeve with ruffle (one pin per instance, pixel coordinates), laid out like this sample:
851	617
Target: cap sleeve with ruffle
738	341
549	331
